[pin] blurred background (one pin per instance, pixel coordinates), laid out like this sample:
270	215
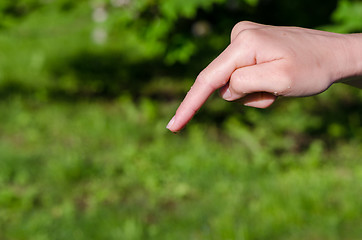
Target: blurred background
87	88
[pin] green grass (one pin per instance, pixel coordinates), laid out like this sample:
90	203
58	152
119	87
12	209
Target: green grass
110	170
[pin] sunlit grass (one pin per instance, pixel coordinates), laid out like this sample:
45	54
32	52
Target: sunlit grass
111	170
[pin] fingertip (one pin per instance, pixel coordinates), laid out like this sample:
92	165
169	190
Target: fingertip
173	125
170	123
259	100
260	104
177	123
227	94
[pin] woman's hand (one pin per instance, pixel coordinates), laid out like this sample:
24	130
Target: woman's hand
263	62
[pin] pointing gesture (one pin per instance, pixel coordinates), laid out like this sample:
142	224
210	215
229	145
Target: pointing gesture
263	62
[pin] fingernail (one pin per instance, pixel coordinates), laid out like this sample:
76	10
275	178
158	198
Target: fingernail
227	94
169	125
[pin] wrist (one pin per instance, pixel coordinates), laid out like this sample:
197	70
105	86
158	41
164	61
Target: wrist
350	65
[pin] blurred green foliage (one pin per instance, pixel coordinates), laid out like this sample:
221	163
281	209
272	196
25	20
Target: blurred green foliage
86	90
348	17
110	171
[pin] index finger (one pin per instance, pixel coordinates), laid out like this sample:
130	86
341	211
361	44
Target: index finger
213	77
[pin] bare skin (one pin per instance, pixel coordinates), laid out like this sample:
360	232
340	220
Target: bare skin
263	62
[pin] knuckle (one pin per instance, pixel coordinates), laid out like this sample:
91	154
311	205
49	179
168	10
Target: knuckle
250	36
203	79
211	79
239	27
238	82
